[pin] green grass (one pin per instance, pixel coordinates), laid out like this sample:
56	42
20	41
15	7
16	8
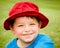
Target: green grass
51	8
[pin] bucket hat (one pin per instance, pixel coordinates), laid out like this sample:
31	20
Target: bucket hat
21	9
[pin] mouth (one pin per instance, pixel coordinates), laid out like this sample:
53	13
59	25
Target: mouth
28	34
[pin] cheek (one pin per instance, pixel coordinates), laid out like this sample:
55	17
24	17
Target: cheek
35	29
18	32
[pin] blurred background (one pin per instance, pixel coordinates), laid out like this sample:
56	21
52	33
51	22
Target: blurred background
50	8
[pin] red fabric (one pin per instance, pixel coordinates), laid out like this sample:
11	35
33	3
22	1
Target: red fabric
25	9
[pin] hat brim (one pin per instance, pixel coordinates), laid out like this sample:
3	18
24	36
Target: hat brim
42	18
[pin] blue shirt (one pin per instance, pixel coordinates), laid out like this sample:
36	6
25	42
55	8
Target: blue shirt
41	41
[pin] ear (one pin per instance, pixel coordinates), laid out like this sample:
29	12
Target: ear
40	24
12	29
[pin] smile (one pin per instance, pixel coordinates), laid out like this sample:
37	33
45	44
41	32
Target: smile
28	34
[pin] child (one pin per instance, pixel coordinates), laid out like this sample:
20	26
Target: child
24	21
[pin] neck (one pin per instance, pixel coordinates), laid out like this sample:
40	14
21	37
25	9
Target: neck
22	44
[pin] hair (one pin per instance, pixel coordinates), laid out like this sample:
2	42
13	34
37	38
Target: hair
11	22
38	20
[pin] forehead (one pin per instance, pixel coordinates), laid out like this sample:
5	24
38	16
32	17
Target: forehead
25	19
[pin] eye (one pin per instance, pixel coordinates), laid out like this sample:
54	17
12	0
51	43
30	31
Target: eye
20	25
32	24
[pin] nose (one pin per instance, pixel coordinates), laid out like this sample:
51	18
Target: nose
27	29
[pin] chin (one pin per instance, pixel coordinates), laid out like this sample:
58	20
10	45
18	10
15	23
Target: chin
28	40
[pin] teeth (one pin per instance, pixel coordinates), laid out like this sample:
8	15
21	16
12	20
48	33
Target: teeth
27	34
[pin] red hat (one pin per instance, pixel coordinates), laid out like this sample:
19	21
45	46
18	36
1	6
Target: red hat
25	9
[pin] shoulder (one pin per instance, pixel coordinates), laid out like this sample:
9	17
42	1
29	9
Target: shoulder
44	41
11	44
44	37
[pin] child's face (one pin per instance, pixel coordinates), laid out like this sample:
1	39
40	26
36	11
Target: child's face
25	28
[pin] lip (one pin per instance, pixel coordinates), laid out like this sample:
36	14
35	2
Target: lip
27	34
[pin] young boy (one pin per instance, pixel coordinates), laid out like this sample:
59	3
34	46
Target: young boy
24	21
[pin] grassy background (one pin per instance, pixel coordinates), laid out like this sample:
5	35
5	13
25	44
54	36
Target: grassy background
51	8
